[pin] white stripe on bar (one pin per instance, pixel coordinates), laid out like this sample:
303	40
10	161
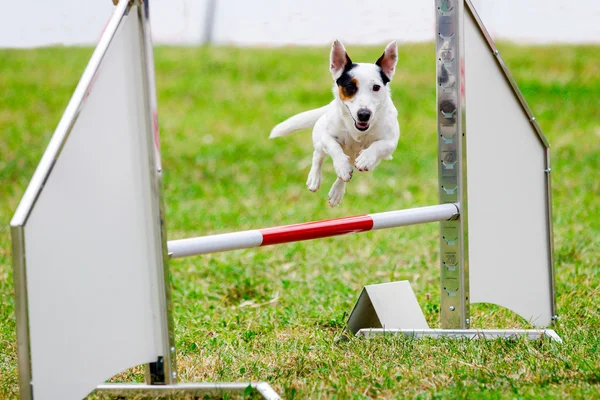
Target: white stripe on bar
391	219
215	243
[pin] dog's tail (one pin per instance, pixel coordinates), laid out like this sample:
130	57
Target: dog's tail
305	120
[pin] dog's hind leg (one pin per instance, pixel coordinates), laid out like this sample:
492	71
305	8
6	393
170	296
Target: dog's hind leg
336	193
314	176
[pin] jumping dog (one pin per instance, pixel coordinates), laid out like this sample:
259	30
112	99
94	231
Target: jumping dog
359	128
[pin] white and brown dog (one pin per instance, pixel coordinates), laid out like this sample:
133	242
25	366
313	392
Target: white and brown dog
359	127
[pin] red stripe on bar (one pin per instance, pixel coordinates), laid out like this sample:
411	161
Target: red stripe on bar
316	230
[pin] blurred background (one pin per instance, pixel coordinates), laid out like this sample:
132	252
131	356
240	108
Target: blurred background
273	314
286	22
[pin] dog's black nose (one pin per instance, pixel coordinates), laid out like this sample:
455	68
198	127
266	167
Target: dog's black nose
363	115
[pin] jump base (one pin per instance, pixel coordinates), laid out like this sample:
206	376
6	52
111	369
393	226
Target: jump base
195	389
487	334
393	305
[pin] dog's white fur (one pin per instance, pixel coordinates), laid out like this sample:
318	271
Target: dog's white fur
335	130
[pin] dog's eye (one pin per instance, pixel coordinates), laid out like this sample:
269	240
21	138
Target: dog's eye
376	88
350	88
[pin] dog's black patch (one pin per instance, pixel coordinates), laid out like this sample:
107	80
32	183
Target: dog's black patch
345	78
384	77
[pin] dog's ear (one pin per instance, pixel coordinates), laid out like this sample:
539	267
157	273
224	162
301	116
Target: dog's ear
387	61
338	59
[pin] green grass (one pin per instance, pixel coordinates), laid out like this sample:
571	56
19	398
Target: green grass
273	314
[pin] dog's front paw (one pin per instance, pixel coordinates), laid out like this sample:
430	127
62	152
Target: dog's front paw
313	182
366	161
343	170
336	194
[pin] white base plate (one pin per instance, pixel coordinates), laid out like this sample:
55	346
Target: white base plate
530	334
198	389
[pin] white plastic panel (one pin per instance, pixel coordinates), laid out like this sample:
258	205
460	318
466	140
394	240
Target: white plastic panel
391	305
396	305
509	254
91	242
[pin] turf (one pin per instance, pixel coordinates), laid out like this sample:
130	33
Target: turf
273	314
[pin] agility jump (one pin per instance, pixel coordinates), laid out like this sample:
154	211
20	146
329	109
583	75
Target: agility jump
310	230
90	242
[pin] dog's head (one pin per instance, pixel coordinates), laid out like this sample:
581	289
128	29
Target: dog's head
362	87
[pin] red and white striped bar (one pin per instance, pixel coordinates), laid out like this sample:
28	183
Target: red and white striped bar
310	230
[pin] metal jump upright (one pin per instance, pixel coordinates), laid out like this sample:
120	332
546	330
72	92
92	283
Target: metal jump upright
89	236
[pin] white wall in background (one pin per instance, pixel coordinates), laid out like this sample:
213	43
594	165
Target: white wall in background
302	22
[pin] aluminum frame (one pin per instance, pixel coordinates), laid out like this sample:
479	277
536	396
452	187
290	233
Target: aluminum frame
452	167
34	189
195	389
472	334
164	372
540	134
551	233
21	312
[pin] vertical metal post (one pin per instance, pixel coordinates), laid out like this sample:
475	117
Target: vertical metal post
21	312
209	22
164	370
551	235
452	173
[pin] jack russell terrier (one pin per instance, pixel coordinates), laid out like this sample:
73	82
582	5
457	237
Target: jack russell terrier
359	127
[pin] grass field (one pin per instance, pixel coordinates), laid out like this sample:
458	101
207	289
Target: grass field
273	314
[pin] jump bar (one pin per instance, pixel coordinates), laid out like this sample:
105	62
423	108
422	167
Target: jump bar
310	230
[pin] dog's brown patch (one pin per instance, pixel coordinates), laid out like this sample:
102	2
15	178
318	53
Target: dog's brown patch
349	90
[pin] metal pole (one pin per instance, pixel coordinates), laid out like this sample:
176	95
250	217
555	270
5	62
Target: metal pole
310	230
452	173
163	370
209	22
